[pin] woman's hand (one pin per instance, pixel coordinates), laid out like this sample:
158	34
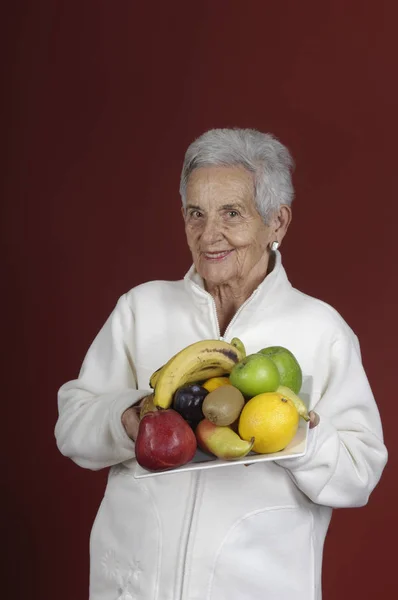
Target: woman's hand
131	420
314	419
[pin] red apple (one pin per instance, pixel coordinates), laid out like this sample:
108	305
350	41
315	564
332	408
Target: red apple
165	440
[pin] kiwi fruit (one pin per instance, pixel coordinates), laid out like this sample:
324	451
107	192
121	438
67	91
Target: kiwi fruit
223	405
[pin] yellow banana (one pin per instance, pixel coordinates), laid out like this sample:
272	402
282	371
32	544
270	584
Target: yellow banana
236	342
194	377
155	376
298	403
197	362
147	406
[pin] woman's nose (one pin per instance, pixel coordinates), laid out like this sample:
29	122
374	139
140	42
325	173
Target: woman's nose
212	231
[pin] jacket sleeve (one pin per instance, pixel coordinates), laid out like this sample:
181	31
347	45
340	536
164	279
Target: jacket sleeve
345	454
89	428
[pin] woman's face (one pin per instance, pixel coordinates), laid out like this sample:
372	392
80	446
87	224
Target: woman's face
228	239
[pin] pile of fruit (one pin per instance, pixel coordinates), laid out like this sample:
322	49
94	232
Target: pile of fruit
212	396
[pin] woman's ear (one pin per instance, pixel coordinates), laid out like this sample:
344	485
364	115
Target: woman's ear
282	221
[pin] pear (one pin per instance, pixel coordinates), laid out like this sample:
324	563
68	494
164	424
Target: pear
164	440
298	403
223	442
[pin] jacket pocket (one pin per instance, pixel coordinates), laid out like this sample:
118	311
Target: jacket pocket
266	554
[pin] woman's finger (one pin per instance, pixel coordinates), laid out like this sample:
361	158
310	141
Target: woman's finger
314	419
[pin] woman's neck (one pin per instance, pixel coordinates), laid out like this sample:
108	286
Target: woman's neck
227	304
230	296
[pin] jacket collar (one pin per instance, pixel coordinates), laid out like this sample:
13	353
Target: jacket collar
270	290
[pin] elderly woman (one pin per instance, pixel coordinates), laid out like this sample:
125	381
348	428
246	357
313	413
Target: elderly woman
228	533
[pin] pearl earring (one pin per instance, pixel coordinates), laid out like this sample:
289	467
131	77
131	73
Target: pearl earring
274	246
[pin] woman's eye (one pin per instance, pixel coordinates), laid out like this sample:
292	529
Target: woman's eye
233	213
196	214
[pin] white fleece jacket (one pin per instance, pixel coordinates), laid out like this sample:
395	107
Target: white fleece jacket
235	533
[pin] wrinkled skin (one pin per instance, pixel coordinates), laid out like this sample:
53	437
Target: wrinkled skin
221	216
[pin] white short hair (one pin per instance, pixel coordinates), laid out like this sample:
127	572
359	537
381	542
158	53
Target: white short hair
260	153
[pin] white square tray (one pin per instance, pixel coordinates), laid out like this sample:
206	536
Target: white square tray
201	460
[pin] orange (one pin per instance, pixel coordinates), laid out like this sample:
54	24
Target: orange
271	419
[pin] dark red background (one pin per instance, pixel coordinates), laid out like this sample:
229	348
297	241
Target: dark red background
102	100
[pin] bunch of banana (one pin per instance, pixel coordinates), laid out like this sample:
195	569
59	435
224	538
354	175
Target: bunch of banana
197	362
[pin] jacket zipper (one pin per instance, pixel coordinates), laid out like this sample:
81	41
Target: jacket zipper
197	475
192	511
234	318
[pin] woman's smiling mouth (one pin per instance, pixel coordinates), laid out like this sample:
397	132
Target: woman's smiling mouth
216	256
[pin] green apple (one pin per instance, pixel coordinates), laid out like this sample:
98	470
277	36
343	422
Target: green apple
287	365
255	374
